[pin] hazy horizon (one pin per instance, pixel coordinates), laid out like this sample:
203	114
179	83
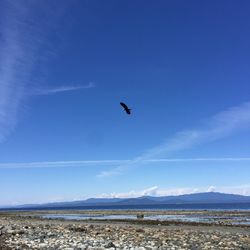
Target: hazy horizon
152	192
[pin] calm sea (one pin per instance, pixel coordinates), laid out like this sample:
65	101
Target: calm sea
222	206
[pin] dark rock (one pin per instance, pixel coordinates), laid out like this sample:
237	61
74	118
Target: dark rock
140	216
91	227
78	229
140	230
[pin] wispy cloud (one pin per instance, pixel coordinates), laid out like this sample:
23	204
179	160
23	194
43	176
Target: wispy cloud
151	191
87	163
221	125
47	91
24	29
157	191
13	66
60	164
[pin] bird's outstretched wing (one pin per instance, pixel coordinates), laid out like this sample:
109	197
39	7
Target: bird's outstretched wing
125	108
124	105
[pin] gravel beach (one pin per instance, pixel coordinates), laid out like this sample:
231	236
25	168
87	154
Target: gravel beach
21	232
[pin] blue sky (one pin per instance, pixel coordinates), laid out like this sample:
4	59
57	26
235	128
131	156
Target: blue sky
183	68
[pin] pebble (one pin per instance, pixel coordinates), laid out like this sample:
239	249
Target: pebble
32	234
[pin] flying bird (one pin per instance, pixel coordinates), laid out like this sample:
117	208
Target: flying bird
126	109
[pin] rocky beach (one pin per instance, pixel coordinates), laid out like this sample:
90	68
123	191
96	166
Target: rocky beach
22	231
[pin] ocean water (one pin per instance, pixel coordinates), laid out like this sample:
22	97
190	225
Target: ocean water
215	206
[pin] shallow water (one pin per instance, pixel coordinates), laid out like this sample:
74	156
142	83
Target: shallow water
159	217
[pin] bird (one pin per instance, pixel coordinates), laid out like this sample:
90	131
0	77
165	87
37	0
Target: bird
125	108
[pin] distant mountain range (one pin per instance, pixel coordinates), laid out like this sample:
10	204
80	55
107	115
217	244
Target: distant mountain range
197	198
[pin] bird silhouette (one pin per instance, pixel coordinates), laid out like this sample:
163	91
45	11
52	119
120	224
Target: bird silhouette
126	109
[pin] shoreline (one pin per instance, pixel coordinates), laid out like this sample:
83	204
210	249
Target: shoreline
22	232
128	211
224	218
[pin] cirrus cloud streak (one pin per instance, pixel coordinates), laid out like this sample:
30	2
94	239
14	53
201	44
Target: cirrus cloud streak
101	163
216	127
